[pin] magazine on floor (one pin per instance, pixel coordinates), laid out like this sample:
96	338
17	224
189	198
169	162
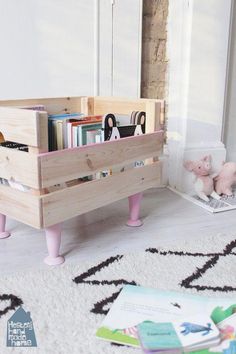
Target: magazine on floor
213	205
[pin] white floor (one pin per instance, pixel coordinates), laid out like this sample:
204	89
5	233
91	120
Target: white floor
167	218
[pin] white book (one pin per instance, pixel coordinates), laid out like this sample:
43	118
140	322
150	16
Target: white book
74	142
98	137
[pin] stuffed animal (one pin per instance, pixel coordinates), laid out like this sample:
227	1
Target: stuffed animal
204	184
226	179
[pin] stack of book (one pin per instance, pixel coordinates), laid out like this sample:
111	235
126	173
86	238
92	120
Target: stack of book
70	130
186	335
170	322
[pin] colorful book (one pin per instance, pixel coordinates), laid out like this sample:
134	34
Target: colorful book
57	129
136	304
83	129
69	131
72	131
93	136
187	334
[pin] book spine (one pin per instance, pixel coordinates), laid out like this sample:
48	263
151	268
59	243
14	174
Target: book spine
75	137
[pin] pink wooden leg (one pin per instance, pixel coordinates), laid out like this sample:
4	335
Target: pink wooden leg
134	208
53	238
3	233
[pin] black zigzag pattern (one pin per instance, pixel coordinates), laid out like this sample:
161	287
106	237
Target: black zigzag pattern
212	259
99	307
14	303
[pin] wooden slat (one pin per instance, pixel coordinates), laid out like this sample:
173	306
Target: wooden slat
65	165
67	203
52	105
87	105
103	105
42	129
153	116
19	125
19	166
21	206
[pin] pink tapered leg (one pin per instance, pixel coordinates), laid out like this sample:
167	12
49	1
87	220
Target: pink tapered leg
53	238
134	209
3	233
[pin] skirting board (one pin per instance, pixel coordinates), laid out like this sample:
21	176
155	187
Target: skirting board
214	206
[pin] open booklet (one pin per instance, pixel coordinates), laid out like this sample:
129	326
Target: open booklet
214	206
136	304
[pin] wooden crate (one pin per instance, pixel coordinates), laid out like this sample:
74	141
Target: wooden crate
39	169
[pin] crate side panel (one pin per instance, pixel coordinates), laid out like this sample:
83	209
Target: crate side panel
69	164
67	203
19	125
21	206
19	166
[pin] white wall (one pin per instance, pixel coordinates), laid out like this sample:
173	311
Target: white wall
55	48
230	116
208	63
197	50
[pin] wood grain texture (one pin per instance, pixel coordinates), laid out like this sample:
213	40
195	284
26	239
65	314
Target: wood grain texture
154	109
19	166
43	131
19	125
103	105
87	105
153	115
69	164
52	105
67	203
21	206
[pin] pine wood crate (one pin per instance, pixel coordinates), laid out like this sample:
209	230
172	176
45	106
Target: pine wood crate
40	169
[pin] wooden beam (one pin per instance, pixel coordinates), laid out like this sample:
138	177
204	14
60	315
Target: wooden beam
103	105
67	203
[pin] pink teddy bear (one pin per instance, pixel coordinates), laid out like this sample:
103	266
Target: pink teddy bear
226	179
204	184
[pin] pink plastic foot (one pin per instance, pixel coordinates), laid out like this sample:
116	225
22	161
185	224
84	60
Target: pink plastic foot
53	238
3	232
134	209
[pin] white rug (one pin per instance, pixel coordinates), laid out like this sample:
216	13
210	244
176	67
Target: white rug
67	303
